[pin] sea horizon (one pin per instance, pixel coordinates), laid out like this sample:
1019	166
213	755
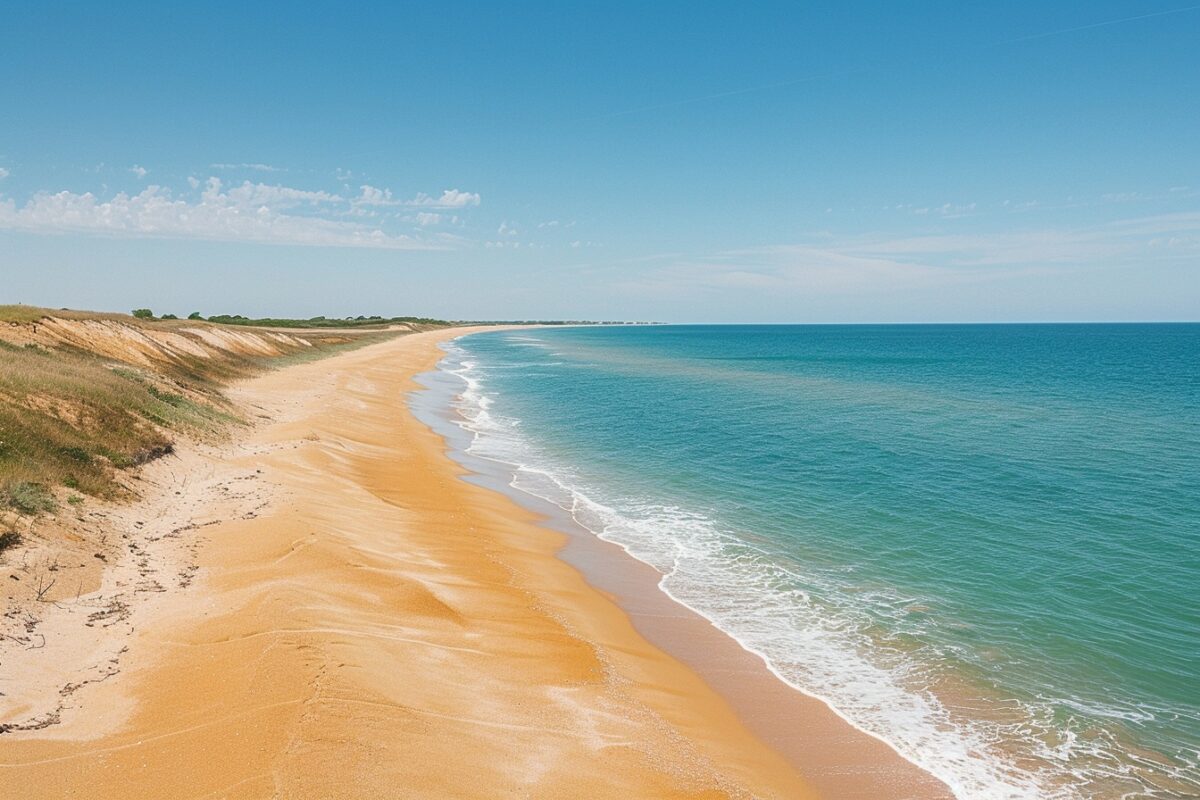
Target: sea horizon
932	324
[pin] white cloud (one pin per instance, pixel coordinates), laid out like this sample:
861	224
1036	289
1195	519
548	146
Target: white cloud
374	197
551	224
947	210
451	198
255	167
506	230
877	265
4	173
249	213
253	195
245	211
796	270
1113	240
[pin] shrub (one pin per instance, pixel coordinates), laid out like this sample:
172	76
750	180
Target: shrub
195	315
168	316
143	313
29	498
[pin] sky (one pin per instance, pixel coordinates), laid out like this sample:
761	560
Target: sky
679	162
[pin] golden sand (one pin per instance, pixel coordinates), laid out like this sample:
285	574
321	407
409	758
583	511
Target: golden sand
381	628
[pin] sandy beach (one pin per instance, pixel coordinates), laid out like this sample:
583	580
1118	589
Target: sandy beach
352	619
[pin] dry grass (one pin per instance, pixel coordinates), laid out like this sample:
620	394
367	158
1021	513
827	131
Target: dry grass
71	418
24	315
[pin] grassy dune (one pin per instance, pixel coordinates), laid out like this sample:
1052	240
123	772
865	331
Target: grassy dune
69	417
323	322
85	396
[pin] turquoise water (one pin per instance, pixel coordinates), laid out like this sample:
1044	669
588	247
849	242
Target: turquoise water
979	543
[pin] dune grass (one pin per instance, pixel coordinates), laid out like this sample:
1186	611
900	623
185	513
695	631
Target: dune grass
71	418
23	314
324	322
20	314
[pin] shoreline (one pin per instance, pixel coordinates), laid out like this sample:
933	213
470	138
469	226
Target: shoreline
380	622
842	761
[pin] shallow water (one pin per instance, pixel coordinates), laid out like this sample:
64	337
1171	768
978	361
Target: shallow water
977	542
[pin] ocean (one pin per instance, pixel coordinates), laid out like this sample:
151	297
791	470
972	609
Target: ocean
980	543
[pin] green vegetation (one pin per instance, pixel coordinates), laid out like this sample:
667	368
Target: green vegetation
28	498
25	315
323	322
67	418
21	314
72	418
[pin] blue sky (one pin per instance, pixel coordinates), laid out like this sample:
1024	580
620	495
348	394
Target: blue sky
790	162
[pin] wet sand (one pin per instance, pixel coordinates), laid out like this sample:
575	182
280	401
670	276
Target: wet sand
379	627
